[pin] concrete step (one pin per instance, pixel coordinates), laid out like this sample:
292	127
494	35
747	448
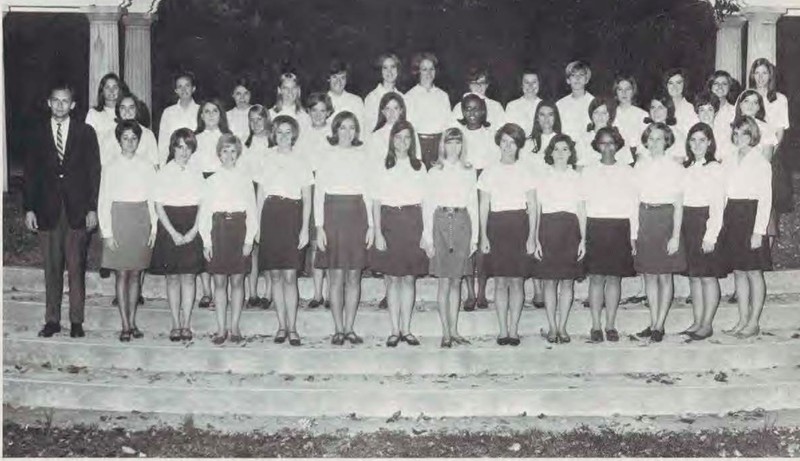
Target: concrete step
272	394
259	354
372	289
781	311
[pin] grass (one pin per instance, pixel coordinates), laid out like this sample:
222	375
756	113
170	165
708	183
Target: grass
82	441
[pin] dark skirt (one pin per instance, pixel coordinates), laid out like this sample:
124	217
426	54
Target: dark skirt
698	263
608	247
429	145
655	230
228	232
507	232
402	230
560	236
737	230
452	234
169	258
281	222
130	223
346	231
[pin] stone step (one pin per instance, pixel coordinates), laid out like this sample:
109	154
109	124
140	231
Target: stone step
372	289
259	354
714	391
781	311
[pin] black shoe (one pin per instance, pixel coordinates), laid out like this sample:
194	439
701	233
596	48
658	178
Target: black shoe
513	341
469	305
327	304
253	302
140	301
77	331
265	303
657	336
50	328
596	336
314	303
482	304
115	301
384	304
503	341
104	273
538	304
732	299
646	333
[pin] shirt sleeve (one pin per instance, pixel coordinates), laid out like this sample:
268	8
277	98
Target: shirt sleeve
428	205
104	204
151	182
251	223
472	210
204	216
717	206
763	187
319	196
634	204
782	112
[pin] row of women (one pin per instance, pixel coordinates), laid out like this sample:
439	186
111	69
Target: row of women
555	202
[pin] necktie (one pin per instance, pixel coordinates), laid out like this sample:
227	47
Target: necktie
60	143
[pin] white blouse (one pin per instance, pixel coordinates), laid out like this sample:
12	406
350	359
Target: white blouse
252	158
453	186
574	113
685	115
630	122
178	186
750	178
302	117
205	157
284	175
534	161
559	191
125	180
610	192
777	112
659	180
428	109
704	186
227	190
239	122
103	122
481	148
352	103
507	185
400	185
521	111
588	156
314	144
342	171
110	149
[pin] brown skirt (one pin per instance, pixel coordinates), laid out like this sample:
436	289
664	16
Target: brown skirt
737	230
698	263
345	231
130	223
452	234
228	232
507	232
560	237
281	222
402	229
169	258
608	247
655	230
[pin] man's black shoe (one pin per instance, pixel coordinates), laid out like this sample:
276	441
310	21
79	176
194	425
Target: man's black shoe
77	331
50	328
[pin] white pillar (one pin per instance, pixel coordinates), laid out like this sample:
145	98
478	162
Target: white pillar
729	46
103	46
137	55
3	146
762	35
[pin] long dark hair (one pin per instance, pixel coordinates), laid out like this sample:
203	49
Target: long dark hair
391	155
142	112
223	118
667	102
761	113
710	155
264	113
536	132
751	78
385	99
101	98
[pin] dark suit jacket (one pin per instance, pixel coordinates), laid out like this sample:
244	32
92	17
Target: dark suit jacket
45	191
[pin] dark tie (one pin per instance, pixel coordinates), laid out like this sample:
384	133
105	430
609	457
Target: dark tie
60	143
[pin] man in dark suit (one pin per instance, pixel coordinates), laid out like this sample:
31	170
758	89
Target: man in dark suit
62	178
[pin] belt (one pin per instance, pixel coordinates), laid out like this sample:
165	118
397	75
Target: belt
427	135
401	207
656	205
452	210
282	198
230	214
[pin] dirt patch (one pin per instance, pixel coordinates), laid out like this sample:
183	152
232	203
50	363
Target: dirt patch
189	441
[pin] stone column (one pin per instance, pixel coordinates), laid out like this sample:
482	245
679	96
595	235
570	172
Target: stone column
3	146
762	35
103	46
729	46
137	55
